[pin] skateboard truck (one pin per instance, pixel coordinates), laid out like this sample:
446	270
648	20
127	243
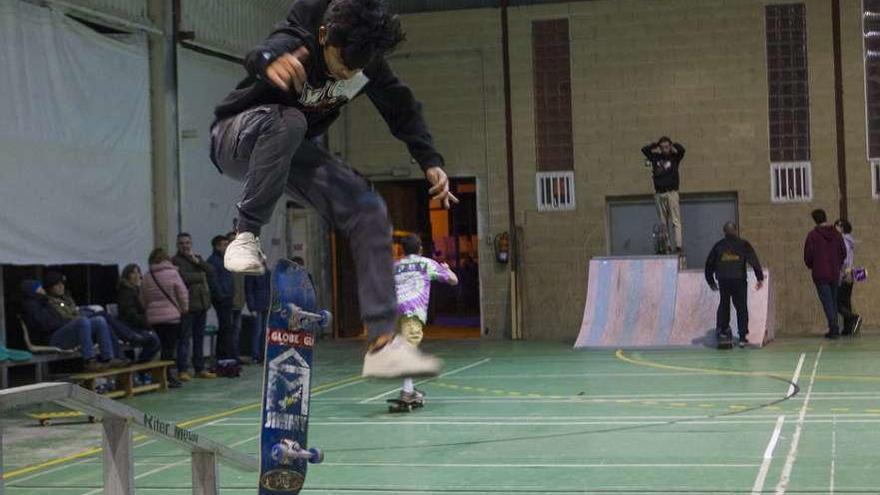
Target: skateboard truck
289	451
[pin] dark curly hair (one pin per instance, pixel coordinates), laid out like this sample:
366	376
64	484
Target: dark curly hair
412	244
363	30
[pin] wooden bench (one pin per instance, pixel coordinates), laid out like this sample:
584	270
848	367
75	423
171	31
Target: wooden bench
125	386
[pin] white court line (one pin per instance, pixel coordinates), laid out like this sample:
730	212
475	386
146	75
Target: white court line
448	373
664	421
169	466
785	477
761	478
758	487
797	375
833	455
432	465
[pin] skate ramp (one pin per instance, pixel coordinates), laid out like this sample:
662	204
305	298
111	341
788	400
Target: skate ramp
635	302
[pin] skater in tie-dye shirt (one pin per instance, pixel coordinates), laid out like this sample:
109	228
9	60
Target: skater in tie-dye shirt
413	275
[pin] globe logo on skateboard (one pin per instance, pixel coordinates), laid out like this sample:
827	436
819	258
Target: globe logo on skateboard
282	480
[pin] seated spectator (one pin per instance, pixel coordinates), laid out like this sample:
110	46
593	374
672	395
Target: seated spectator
131	326
166	300
48	327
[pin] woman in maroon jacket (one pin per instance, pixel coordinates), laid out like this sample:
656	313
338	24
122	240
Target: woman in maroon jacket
824	254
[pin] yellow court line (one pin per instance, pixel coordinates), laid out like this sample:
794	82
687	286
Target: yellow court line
619	354
204	419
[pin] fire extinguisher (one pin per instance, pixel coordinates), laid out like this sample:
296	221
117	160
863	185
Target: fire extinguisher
502	248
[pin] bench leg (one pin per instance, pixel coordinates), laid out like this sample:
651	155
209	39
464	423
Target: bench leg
118	457
4	379
163	377
128	383
204	474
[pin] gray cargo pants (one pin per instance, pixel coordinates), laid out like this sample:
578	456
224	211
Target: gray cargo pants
266	147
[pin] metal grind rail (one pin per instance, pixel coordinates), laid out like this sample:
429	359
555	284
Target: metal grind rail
118	439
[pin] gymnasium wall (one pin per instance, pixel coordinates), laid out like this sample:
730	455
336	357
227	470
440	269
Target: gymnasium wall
692	69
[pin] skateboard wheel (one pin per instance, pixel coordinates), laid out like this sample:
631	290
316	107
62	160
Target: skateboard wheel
44	422
317	456
326	319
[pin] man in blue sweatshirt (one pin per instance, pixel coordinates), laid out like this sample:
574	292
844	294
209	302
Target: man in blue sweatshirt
323	55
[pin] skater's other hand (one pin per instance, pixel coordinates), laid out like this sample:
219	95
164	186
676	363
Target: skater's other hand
440	187
288	70
760	285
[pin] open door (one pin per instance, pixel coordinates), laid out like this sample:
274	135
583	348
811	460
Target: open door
448	236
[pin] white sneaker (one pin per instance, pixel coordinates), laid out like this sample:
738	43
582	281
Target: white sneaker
399	359
243	255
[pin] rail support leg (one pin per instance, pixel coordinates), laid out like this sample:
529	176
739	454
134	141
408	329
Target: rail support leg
204	474
1	460
118	457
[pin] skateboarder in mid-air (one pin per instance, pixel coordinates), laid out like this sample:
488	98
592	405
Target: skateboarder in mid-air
727	263
323	55
413	275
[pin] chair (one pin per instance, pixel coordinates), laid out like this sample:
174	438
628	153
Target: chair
41	349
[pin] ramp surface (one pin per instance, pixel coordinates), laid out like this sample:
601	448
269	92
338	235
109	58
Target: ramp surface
647	302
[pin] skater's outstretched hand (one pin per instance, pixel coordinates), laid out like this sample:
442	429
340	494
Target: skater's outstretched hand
760	285
440	187
288	70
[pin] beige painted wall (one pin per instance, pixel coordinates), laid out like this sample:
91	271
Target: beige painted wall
692	69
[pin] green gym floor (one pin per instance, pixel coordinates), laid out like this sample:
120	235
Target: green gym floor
528	418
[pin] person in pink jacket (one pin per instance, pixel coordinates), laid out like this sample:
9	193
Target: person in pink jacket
165	299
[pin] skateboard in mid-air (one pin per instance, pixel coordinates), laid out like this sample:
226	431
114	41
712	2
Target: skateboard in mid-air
292	329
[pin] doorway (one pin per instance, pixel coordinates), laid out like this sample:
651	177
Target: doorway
448	236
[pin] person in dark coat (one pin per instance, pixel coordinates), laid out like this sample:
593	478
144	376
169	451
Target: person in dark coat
726	271
46	326
222	297
131	325
258	290
824	255
196	274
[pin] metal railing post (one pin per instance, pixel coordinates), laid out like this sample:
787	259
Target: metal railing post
204	474
1	460
118	457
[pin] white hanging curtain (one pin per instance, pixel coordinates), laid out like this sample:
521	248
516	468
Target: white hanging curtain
75	175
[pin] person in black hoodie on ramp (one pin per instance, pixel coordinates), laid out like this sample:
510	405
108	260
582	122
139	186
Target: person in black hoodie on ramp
323	55
726	271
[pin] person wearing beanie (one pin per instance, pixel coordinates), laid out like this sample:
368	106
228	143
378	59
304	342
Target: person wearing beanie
47	326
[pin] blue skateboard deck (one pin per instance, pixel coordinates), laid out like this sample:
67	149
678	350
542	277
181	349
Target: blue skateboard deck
290	338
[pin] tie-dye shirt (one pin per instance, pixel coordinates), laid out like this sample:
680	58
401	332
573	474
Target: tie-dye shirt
413	275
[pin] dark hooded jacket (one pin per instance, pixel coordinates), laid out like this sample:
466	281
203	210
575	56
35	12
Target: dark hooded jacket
39	316
323	97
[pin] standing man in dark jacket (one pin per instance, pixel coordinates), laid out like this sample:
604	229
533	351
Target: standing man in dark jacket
222	293
258	290
726	269
824	255
664	157
323	55
195	273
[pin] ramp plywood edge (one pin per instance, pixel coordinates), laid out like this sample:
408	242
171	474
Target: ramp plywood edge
644	302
